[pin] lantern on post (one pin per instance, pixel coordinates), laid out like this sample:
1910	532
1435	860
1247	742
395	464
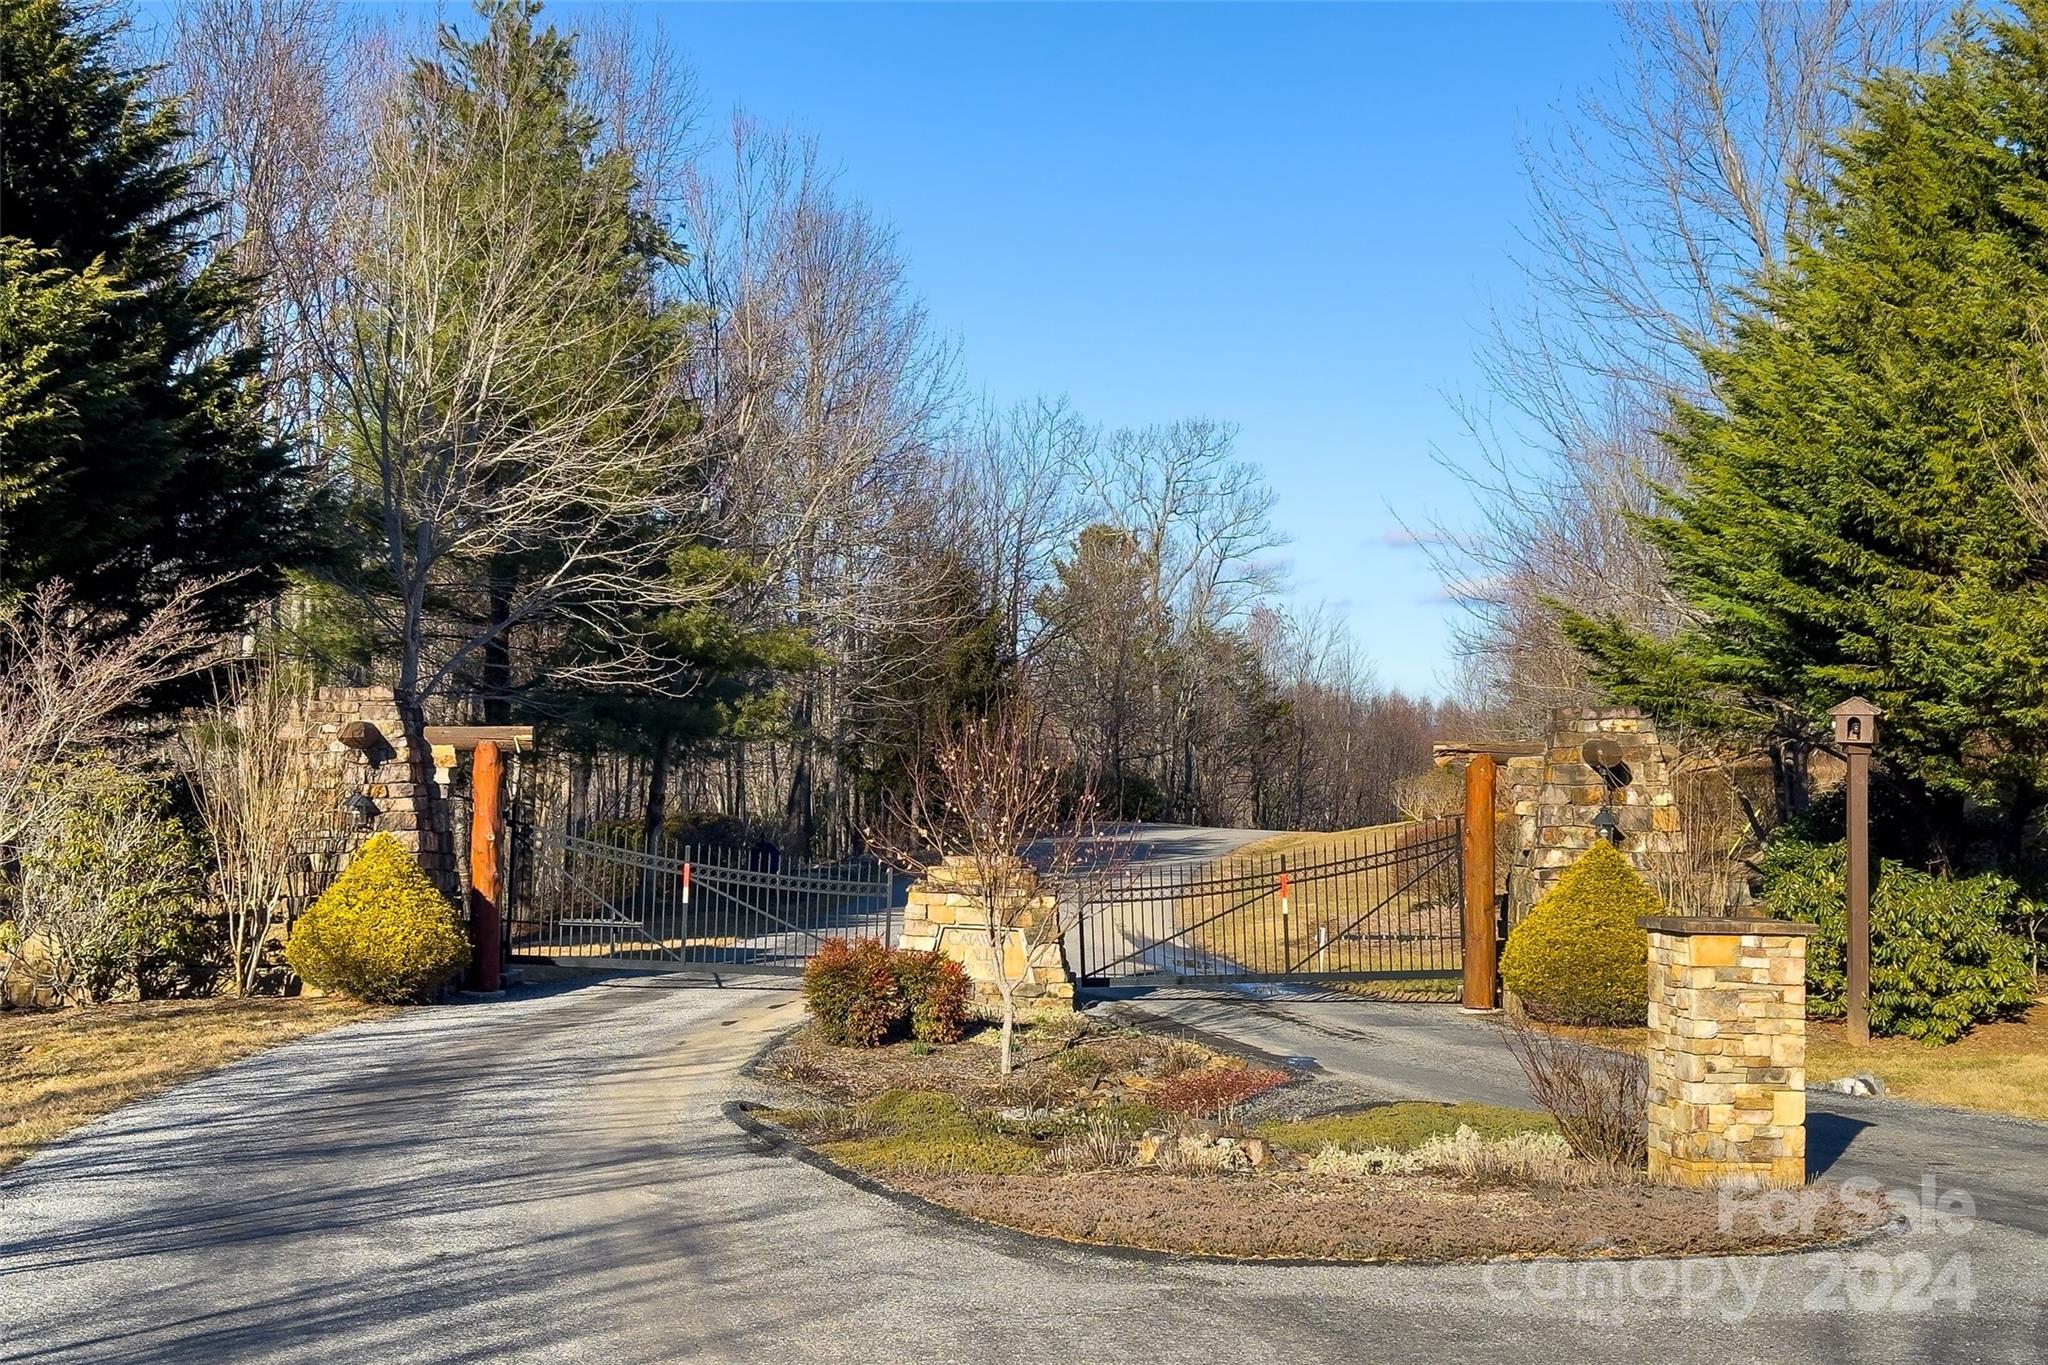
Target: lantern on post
1855	734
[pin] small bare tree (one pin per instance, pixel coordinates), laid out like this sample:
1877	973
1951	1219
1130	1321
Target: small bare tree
276	822
999	813
68	687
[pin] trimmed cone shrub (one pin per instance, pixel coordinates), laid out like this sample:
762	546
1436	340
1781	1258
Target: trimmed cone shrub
938	993
382	932
1940	962
852	992
1578	957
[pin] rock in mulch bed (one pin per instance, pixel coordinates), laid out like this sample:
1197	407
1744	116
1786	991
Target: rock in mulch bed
1291	1215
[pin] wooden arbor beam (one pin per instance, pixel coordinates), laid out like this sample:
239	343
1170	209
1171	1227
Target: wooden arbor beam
464	738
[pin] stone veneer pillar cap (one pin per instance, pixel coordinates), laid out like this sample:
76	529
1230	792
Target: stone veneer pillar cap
1725	924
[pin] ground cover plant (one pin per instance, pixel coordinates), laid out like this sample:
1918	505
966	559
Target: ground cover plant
1128	1137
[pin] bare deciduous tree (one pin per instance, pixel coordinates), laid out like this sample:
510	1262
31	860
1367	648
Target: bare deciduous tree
67	687
823	393
1658	199
996	808
275	93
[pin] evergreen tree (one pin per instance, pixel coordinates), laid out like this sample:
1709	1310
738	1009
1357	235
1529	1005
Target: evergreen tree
1846	521
133	456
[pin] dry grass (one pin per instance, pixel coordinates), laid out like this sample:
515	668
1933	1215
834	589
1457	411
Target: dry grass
1330	923
1997	1068
1428	1217
1308	846
60	1069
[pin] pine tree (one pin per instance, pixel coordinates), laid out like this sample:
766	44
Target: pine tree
133	457
1846	522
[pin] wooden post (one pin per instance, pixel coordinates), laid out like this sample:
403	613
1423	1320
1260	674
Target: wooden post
1859	892
1855	733
486	823
1482	957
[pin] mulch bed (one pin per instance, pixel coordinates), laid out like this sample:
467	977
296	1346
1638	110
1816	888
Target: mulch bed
1289	1215
967	1070
1283	1211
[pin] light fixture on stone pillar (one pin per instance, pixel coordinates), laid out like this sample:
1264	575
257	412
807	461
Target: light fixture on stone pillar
1606	825
362	808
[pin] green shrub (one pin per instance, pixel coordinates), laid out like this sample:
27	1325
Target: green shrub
938	993
1940	962
862	994
1578	957
104	895
381	932
1400	1127
852	993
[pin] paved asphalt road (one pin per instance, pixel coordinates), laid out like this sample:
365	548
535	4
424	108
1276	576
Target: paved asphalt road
550	1178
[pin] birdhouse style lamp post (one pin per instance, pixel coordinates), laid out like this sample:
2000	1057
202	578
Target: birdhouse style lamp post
1855	734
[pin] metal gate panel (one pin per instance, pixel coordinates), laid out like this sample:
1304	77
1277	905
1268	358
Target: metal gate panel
603	903
1383	907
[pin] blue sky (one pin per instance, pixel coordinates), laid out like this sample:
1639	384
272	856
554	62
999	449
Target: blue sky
1287	217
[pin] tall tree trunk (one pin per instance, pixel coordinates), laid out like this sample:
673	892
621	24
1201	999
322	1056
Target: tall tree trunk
497	652
656	808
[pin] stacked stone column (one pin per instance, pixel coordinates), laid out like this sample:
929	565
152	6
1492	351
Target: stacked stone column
948	910
392	771
1727	1051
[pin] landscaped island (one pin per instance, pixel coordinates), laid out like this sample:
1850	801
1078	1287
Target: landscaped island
1122	1136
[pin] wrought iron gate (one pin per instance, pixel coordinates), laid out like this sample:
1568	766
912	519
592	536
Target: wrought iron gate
1385	908
598	903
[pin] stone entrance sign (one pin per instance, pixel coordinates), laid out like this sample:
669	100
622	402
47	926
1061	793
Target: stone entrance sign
1727	1050
946	911
1603	773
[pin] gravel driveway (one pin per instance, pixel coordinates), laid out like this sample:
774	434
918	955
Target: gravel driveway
550	1178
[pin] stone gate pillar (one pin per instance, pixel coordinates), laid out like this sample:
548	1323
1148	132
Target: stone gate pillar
945	910
1727	1050
377	745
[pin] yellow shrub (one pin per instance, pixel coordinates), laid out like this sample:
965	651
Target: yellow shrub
1578	957
381	932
